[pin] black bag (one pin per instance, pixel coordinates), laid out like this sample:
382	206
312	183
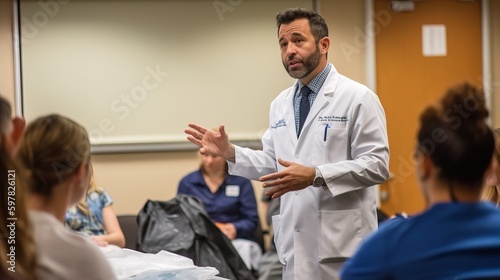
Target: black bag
182	226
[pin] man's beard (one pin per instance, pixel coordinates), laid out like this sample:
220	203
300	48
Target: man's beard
308	65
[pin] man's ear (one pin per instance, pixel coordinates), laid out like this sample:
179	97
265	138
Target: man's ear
18	128
324	45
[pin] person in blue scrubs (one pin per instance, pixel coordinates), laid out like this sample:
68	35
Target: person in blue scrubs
229	200
458	236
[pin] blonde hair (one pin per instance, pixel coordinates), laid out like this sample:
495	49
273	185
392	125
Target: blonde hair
52	149
25	244
82	205
490	193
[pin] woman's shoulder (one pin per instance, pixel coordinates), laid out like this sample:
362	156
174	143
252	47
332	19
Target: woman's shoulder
238	180
52	234
99	191
59	245
193	176
74	255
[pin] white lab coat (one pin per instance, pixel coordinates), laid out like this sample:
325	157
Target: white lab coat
318	228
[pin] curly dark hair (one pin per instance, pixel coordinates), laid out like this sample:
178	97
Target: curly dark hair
455	135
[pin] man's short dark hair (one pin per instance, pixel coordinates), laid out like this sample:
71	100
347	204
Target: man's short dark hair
318	26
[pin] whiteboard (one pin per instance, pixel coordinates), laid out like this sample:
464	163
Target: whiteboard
137	72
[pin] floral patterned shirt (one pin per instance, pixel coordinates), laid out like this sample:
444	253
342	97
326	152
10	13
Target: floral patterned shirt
93	223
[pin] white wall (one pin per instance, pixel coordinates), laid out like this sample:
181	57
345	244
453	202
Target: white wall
139	71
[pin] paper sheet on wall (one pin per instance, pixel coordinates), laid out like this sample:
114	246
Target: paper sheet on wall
434	40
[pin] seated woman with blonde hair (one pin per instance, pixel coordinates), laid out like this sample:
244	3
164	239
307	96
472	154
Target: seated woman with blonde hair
56	152
94	218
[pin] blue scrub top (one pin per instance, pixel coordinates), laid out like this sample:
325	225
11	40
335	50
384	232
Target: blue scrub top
448	241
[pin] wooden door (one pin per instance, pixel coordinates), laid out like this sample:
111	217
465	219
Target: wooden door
408	81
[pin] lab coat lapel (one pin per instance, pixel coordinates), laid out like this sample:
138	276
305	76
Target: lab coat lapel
290	116
323	98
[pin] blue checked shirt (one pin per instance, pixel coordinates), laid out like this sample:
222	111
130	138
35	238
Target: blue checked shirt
315	85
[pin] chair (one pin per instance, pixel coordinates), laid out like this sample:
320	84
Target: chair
129	226
381	216
259	236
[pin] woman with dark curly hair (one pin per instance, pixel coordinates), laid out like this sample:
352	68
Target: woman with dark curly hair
458	235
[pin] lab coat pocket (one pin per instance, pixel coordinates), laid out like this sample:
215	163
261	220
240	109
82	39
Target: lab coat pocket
278	237
331	144
340	234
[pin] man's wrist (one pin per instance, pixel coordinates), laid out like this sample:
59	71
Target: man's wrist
318	180
231	154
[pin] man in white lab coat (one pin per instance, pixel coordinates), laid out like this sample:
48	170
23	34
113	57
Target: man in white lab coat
323	168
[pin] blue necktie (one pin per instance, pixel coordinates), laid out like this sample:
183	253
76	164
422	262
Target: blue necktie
304	107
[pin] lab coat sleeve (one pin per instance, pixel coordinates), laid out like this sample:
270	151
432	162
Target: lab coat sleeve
253	164
369	149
